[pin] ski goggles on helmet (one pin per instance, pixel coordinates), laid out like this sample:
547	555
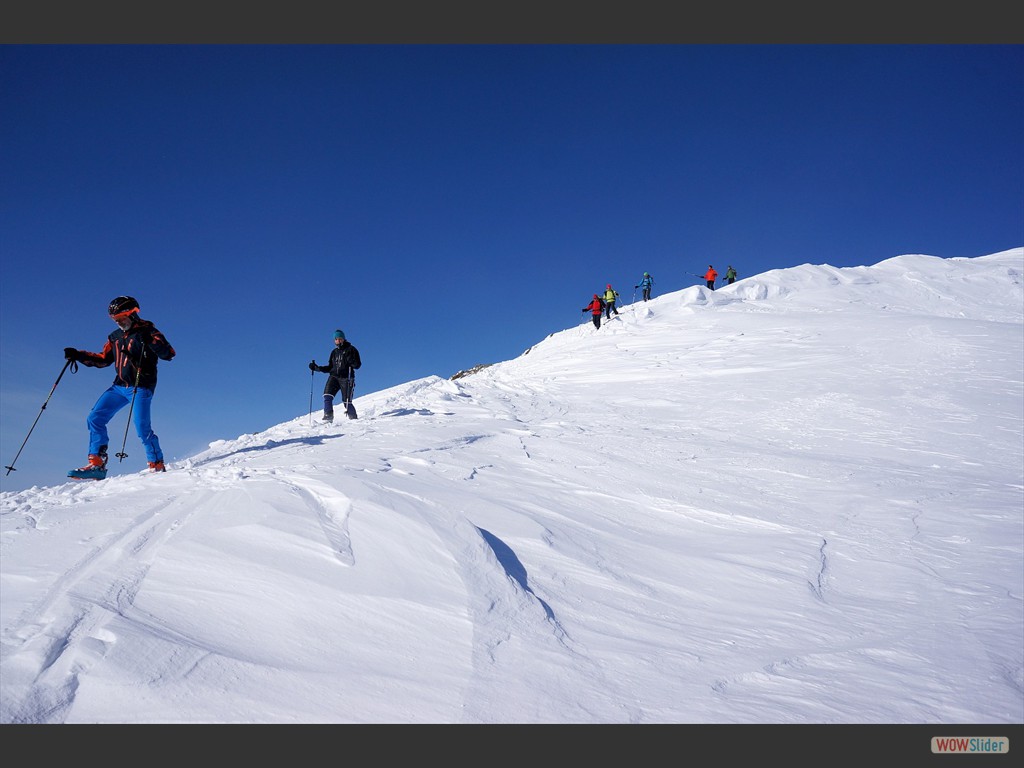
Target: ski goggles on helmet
125	315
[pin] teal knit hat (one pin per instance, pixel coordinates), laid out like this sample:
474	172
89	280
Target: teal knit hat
339	335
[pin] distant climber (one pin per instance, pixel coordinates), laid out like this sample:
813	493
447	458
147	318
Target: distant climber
610	297
596	307
710	276
646	282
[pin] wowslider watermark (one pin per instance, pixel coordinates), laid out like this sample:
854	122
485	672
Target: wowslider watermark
972	744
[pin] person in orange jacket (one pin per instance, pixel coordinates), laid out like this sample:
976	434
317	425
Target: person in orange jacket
711	276
596	307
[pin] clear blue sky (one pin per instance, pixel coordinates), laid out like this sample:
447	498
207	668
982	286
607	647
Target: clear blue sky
446	205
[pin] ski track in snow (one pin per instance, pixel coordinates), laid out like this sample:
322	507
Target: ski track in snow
41	672
40	676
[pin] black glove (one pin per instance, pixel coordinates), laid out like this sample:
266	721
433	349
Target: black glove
636	286
70	353
312	365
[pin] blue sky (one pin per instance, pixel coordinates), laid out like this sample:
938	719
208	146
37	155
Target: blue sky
447	205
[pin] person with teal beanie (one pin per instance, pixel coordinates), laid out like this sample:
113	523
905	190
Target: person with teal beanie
646	282
341	370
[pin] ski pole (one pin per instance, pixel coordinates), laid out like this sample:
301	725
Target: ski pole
10	468
350	387
138	372
311	372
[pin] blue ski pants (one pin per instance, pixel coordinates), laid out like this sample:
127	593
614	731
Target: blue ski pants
112	401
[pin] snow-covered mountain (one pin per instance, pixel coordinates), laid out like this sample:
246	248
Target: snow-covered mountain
796	499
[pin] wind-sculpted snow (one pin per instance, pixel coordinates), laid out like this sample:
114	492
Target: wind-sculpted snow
796	499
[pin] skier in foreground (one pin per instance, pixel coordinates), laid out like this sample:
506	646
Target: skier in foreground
133	350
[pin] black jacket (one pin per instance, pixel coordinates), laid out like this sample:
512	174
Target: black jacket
344	360
125	349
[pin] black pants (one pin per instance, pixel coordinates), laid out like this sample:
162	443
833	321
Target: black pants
609	307
597	320
332	387
647	293
711	284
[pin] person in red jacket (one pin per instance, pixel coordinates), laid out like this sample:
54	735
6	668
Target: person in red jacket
711	276
596	307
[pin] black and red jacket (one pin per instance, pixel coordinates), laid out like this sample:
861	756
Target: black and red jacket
141	343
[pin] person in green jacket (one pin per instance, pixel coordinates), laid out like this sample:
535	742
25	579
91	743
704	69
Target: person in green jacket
730	275
610	297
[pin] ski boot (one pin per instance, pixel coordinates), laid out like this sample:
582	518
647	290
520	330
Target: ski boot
96	469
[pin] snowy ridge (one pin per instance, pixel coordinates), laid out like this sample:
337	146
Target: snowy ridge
796	499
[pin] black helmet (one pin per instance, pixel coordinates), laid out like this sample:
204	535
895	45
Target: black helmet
122	305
